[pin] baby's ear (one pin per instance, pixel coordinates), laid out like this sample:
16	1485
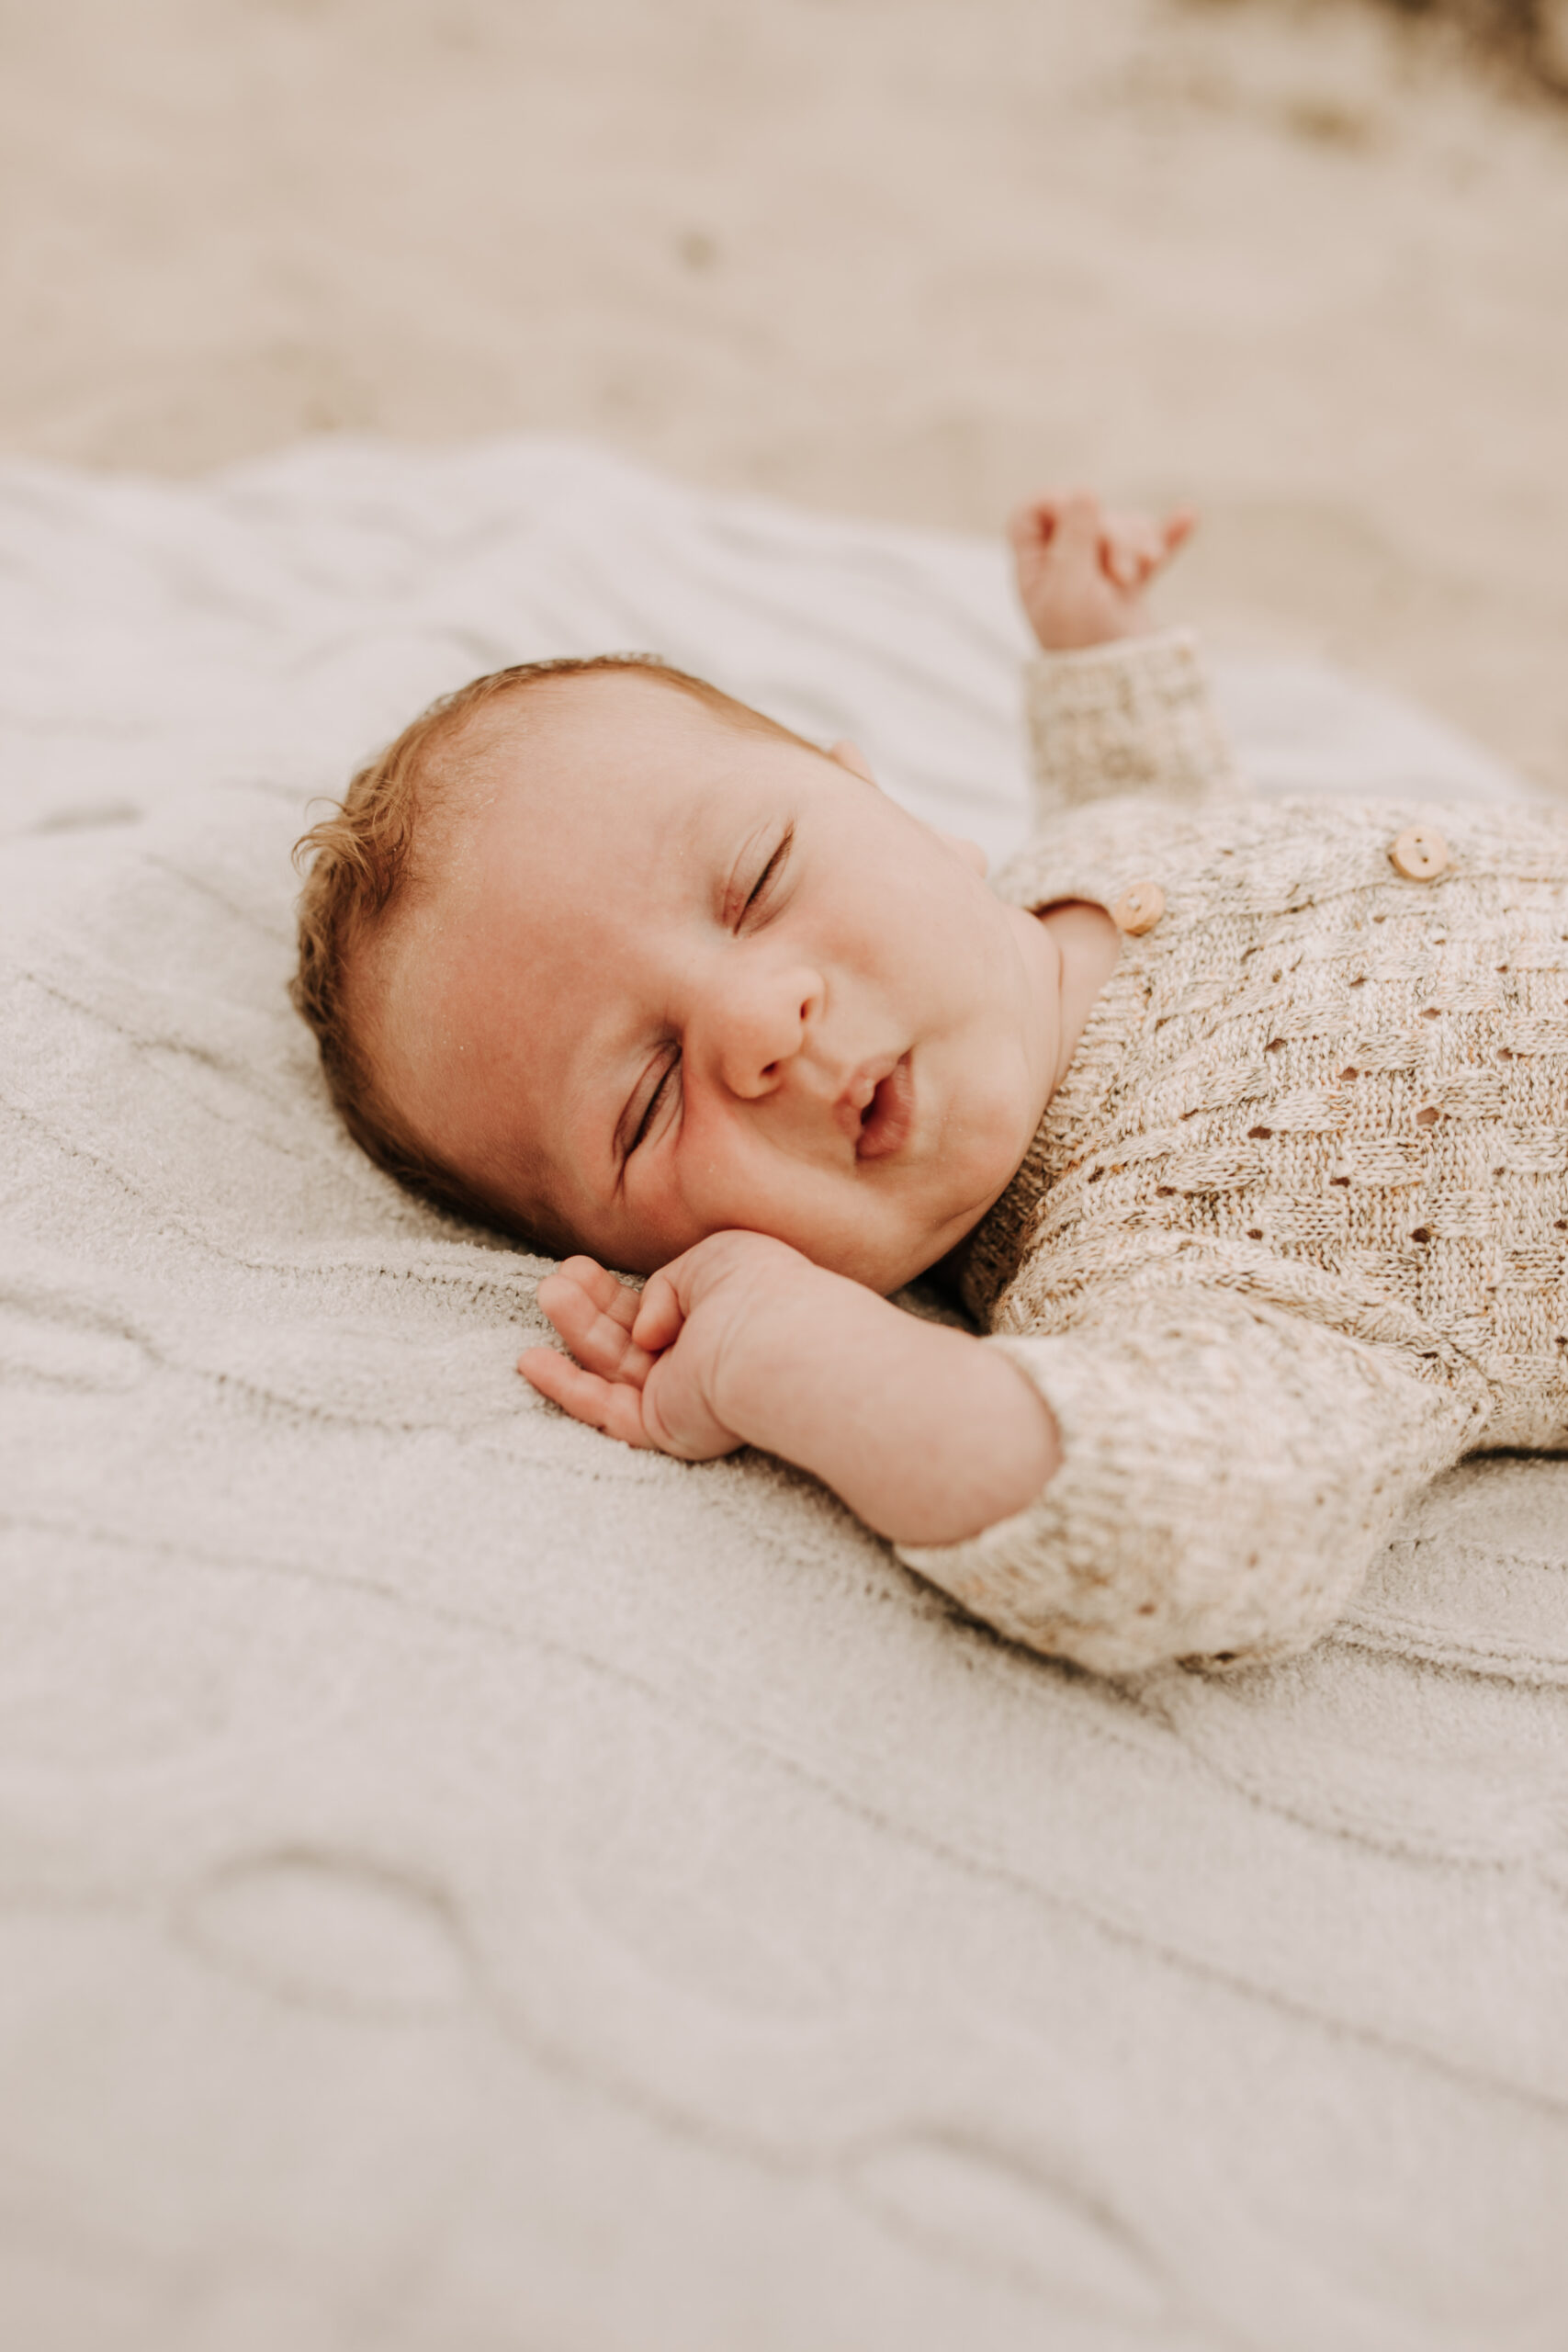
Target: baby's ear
850	756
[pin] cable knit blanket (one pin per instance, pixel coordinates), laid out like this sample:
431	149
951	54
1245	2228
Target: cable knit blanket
465	1887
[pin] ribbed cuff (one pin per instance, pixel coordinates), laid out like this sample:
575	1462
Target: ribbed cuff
1133	716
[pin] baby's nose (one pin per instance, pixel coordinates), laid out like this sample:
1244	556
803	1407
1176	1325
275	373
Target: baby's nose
760	1030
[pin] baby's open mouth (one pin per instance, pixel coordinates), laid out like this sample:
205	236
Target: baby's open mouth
888	1117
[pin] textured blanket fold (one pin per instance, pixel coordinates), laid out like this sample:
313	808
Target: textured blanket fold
466	1884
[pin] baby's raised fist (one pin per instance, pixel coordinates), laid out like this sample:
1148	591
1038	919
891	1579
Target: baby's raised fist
1083	575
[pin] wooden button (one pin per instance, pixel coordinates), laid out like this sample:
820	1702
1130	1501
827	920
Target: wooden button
1420	854
1139	908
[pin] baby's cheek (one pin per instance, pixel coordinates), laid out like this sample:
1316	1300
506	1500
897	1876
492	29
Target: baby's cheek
662	1226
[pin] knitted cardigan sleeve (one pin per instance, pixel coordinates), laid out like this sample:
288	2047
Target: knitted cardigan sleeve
1230	1469
1126	718
1231	1464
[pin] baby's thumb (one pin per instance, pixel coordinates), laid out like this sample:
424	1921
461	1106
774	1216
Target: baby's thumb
1178	527
660	1315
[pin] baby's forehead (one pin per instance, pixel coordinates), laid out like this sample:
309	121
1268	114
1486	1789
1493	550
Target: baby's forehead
559	784
625	707
579	756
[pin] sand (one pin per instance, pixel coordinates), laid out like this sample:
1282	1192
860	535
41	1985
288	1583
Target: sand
1296	262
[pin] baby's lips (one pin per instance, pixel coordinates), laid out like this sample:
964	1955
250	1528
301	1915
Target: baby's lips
858	1095
890	1122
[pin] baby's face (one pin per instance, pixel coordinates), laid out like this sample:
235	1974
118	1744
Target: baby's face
675	977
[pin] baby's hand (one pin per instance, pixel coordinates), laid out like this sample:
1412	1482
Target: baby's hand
926	1434
1082	574
646	1367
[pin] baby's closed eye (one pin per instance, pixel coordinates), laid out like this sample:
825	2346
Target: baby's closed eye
770	875
656	1101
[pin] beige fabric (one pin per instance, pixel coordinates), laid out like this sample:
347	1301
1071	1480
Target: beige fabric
1294	1234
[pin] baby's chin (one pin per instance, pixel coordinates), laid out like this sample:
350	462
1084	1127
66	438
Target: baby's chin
886	1252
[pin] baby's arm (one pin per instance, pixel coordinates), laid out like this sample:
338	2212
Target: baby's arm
1114	705
1230	1467
1225	1472
928	1435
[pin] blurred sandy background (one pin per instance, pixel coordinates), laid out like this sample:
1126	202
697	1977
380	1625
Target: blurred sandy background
898	257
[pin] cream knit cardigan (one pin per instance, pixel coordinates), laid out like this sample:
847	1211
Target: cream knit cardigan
1292	1234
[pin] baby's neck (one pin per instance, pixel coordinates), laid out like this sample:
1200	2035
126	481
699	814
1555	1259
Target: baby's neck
1089	946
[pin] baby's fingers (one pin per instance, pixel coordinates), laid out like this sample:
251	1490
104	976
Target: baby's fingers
1131	547
594	1315
1134	547
607	1405
596	1283
1032	525
1067	517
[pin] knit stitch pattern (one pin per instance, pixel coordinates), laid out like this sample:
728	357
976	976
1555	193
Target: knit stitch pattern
1292	1234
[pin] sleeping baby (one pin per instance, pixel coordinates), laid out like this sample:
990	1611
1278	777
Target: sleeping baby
1241	1130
